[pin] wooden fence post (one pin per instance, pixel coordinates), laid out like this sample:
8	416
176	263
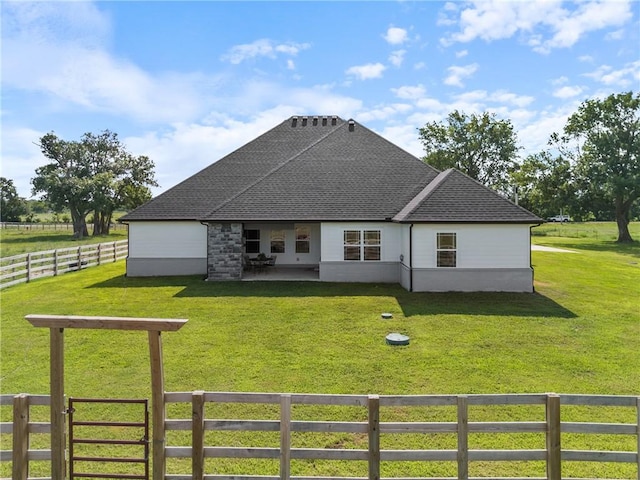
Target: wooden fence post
463	437
80	258
55	262
115	251
157	406
20	437
554	450
374	437
58	411
197	435
285	437
99	254
28	267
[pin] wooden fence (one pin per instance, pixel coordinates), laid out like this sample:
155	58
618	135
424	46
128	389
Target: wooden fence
29	266
50	226
550	428
22	430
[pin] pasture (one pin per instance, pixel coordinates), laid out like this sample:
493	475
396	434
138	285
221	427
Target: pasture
579	333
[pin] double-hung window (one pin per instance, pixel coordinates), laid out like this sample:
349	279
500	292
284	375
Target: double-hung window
277	241
252	241
362	245
303	238
446	250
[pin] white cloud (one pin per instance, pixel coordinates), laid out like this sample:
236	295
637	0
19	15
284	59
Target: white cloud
568	92
397	57
409	92
542	25
368	71
21	156
262	48
462	53
396	36
622	77
457	74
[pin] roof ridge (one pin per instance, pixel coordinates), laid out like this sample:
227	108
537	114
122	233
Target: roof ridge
422	195
274	170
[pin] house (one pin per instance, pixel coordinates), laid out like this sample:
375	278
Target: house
331	195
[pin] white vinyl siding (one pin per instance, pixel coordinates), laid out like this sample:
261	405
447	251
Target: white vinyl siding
333	239
167	240
478	246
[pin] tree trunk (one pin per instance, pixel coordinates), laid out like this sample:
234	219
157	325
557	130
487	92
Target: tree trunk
101	223
79	224
622	219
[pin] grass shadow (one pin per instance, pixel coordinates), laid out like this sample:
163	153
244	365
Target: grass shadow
411	303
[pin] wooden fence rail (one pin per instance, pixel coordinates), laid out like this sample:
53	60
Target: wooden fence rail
21	429
28	266
550	427
50	226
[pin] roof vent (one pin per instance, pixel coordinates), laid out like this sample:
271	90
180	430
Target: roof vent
352	125
294	121
334	120
315	121
324	121
304	121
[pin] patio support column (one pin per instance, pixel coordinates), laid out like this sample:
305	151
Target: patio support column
224	251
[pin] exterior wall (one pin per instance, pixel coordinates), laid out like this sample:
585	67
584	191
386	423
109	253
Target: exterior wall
167	248
488	258
224	251
333	267
289	257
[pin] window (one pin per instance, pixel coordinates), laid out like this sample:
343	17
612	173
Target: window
277	241
362	245
446	250
303	238
252	241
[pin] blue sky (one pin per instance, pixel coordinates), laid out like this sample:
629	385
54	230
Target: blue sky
188	82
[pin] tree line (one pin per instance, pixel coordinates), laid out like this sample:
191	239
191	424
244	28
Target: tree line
590	170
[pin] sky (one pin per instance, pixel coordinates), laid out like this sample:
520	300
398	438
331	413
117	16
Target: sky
186	83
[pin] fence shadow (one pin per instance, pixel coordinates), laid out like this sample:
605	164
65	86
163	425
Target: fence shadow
411	303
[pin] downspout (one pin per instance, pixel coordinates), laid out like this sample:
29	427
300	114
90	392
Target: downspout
533	288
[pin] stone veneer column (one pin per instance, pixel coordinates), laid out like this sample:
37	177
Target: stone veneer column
224	251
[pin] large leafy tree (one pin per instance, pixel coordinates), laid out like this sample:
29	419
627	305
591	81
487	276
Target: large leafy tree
545	184
11	205
95	174
481	146
603	136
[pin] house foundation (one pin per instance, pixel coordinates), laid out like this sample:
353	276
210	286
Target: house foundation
224	251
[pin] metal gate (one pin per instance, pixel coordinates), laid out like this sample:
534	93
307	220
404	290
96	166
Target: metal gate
118	441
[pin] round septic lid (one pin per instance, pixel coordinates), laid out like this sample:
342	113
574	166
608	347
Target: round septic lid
397	339
387	315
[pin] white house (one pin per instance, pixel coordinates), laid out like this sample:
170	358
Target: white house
330	194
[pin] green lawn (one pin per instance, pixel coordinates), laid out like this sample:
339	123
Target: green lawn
14	241
579	333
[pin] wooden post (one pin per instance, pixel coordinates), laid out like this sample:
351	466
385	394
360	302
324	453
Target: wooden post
20	437
554	450
197	435
28	267
285	437
638	435
99	254
55	262
157	405
463	437
80	257
58	443
115	251
374	437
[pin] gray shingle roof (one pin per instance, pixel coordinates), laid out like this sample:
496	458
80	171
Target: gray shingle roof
453	197
326	169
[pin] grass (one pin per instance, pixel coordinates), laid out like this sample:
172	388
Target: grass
579	333
15	241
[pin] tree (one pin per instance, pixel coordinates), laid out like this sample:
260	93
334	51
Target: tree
11	205
480	146
545	185
95	174
604	138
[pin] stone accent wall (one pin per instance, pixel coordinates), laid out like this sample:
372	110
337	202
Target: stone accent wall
224	251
